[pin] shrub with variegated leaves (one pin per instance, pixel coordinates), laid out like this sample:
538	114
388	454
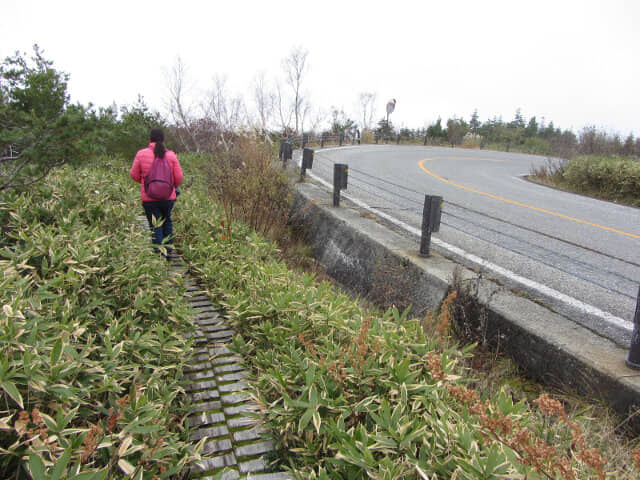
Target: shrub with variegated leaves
92	334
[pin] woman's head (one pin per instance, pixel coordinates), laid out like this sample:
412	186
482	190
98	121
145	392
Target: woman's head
157	136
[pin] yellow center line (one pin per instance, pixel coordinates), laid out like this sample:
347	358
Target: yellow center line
513	202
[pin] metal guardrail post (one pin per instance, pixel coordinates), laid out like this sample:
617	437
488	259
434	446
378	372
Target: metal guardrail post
633	360
431	214
307	161
340	173
286	152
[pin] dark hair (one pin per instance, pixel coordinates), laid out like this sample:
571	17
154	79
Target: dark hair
157	136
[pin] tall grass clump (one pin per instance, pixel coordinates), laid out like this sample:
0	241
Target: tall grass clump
601	176
350	393
610	178
250	185
92	334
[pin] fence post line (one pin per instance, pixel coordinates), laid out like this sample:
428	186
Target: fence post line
633	360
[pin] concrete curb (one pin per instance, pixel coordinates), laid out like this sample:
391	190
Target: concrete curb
550	347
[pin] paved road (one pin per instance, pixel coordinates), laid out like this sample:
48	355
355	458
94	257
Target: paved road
577	255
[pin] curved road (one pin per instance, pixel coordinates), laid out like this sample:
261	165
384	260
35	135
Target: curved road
575	254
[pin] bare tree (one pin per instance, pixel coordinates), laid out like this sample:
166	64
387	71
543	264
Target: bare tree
180	111
367	104
226	114
304	113
295	66
316	118
284	111
265	100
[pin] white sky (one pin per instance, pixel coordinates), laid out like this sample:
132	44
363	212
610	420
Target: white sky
575	62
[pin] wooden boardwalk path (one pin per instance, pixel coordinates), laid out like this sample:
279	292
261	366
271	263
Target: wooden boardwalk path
221	408
220	402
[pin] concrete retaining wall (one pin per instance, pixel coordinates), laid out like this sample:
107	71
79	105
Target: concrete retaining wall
358	252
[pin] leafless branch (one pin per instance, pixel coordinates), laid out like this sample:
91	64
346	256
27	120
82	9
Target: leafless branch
13	155
225	111
181	112
284	113
295	68
265	100
367	104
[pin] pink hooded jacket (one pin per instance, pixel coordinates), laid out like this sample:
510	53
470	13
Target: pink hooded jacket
142	163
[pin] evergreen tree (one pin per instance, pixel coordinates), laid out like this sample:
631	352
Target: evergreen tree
531	130
518	120
340	123
628	147
474	123
435	130
456	130
385	129
38	128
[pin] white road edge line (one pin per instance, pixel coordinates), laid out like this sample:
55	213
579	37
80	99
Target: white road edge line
543	289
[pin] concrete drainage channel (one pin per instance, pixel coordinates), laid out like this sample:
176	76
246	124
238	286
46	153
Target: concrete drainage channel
221	407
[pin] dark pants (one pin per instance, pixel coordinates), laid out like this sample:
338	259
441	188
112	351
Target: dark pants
159	217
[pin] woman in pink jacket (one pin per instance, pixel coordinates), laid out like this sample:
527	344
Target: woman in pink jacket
158	212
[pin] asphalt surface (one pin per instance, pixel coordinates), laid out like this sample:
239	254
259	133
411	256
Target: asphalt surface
577	255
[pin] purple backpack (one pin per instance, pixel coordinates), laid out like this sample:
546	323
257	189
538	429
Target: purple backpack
158	183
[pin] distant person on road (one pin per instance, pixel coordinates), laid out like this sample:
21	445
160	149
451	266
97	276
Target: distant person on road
158	212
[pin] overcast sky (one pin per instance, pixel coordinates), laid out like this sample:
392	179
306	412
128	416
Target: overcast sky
575	63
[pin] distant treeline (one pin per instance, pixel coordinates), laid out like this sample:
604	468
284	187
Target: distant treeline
521	135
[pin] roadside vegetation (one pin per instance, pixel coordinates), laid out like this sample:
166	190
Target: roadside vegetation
606	177
351	391
93	339
93	334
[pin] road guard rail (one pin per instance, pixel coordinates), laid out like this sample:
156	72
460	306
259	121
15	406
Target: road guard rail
391	196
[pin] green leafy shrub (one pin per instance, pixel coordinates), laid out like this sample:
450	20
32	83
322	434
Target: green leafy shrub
92	334
537	146
611	178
